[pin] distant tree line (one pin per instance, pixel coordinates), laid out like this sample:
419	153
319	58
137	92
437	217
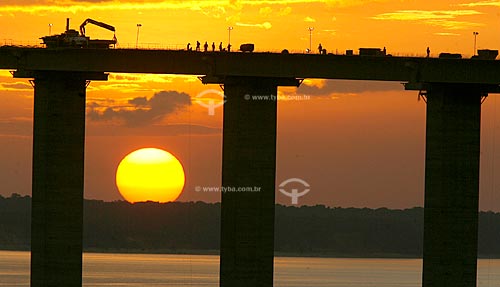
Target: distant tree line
194	227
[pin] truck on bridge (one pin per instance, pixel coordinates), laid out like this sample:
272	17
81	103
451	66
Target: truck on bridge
372	52
75	39
249	47
486	54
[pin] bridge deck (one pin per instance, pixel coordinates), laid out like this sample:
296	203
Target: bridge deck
381	68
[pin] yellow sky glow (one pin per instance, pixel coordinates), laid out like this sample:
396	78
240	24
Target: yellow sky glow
340	120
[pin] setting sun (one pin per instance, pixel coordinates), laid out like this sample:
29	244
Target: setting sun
150	174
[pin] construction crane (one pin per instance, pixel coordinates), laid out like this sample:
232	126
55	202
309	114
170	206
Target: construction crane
74	39
97	23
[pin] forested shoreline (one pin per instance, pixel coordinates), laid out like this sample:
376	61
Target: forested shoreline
194	227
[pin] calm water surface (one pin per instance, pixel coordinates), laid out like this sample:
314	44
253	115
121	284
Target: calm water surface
134	270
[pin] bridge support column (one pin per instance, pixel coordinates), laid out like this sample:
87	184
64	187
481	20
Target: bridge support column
249	160
451	185
57	183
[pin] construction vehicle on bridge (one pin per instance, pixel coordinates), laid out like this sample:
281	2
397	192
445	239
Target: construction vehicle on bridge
486	54
74	39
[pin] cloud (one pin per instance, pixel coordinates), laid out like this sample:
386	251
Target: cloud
328	87
265	25
215	12
154	130
185	3
446	34
100	102
234	18
17	86
285	11
424	15
76	6
91	1
265	11
309	19
332	32
454	25
123	87
319	83
146	78
494	3
16	127
442	18
142	111
139	102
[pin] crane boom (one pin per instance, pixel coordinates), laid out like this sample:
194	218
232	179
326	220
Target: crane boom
97	23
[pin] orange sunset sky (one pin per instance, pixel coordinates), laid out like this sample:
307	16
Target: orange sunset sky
356	143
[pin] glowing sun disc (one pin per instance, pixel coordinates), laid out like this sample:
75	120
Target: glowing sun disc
150	174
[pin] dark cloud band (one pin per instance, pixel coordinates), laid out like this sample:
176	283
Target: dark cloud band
143	111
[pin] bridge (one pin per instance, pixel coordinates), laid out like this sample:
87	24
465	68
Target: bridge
454	90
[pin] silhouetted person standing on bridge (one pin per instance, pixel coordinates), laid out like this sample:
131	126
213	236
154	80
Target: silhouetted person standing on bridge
205	47
220	47
384	51
320	48
428	52
229	47
189	47
213	46
197	45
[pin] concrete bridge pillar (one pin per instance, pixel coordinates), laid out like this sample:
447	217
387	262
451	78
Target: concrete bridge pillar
451	185
249	160
57	183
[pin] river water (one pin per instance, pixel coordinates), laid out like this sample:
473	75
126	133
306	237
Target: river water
134	270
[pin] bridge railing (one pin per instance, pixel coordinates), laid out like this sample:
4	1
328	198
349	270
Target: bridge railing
16	43
177	47
150	46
